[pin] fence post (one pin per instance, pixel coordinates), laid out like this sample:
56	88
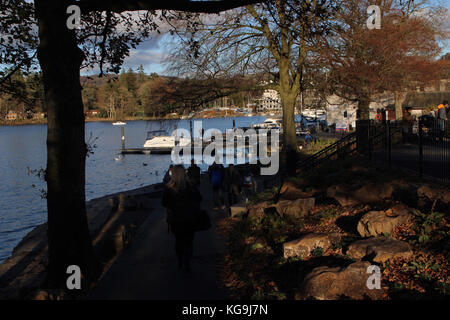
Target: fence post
368	141
420	148
389	142
192	139
122	131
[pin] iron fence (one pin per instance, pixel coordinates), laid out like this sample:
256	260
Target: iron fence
421	145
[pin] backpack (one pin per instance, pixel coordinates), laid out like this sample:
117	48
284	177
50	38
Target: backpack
248	180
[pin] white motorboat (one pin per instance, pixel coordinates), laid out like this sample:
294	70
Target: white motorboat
119	123
161	139
269	123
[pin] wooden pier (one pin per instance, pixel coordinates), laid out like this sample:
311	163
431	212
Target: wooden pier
151	150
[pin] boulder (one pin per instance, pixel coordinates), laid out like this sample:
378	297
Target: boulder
369	193
290	191
379	249
296	208
325	283
342	194
373	192
434	194
376	223
257	210
237	209
337	189
303	246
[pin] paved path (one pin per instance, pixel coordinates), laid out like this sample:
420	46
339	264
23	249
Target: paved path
148	268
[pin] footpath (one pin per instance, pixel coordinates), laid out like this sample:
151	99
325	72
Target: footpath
147	269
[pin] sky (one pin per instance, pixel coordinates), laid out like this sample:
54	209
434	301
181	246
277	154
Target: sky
152	52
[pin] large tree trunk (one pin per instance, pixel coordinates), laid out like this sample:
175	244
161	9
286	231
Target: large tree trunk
288	96
362	125
288	105
60	59
400	97
363	109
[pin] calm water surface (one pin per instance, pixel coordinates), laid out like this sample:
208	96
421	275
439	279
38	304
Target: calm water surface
21	206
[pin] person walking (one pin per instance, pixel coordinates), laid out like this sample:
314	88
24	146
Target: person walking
249	186
442	118
216	175
182	200
193	173
233	184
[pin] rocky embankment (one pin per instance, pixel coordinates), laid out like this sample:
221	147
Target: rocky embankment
316	239
113	222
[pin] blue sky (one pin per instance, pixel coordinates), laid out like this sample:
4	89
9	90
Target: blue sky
151	53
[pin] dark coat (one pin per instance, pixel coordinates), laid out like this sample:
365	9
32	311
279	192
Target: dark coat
193	173
183	207
233	178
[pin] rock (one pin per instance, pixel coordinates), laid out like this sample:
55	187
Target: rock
368	193
376	223
325	283
48	294
342	194
434	194
303	246
373	192
379	249
296	208
237	209
290	191
259	244
257	211
336	189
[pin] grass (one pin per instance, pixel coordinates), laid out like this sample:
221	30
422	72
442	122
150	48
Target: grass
314	147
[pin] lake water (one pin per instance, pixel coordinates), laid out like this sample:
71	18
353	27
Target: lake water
21	206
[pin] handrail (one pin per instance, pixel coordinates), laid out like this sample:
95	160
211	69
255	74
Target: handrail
327	149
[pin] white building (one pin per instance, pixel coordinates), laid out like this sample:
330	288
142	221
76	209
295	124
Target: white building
270	101
341	112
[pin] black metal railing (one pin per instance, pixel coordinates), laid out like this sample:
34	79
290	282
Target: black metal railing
421	145
340	149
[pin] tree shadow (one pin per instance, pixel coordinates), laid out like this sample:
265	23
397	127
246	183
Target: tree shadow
349	223
290	275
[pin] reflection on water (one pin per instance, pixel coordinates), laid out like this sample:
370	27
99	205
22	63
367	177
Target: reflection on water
22	147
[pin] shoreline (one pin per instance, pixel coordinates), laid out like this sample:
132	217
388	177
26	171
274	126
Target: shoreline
23	271
13	123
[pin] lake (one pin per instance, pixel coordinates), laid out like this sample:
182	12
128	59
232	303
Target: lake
23	148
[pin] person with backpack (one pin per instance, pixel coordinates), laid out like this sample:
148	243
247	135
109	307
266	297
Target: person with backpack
216	177
182	200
